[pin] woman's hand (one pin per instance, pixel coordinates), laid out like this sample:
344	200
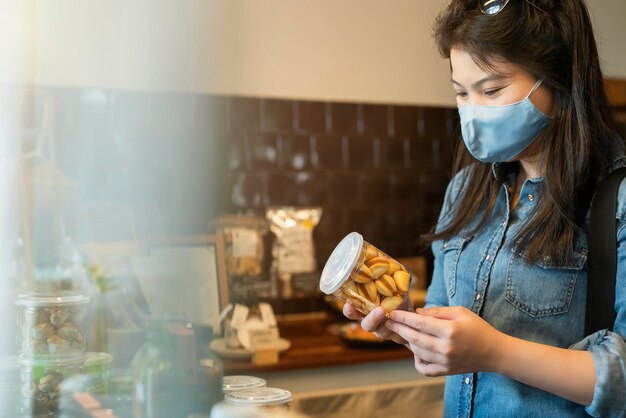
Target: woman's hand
373	323
447	340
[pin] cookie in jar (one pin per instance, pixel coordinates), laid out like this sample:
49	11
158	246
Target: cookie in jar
359	273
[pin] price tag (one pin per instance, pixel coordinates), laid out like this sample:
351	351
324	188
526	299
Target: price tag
245	243
295	255
240	316
266	338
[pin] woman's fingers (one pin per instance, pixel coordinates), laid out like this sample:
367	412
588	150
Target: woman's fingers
373	323
398	339
422	323
415	337
427	355
351	313
429	369
373	320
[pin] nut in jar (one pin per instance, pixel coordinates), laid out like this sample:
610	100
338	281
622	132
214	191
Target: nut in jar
41	380
365	276
52	325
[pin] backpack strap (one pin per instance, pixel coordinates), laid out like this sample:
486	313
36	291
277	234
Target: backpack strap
600	309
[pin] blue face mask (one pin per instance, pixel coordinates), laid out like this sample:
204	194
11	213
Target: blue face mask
499	133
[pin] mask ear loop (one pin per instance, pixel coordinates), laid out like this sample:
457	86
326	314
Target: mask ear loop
535	87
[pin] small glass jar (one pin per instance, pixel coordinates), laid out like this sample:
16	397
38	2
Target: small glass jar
40	382
267	400
360	273
52	324
236	383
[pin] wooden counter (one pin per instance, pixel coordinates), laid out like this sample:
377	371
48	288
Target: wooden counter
313	345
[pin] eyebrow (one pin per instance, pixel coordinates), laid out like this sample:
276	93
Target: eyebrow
491	77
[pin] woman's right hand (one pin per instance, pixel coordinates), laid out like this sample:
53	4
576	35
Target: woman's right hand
373	322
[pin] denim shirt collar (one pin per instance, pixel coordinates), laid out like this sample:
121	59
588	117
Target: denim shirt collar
507	172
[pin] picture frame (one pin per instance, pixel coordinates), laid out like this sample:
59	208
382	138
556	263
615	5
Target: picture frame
217	241
185	277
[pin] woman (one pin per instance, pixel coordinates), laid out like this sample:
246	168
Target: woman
504	315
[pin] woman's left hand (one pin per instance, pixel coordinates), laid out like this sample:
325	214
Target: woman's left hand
448	340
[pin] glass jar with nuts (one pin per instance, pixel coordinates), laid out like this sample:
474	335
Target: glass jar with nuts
41	383
52	324
360	273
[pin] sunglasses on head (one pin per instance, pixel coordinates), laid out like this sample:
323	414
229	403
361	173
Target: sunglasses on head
493	7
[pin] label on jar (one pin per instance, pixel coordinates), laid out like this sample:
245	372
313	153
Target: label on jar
296	253
245	243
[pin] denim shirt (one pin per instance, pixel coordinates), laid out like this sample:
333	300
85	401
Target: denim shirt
540	301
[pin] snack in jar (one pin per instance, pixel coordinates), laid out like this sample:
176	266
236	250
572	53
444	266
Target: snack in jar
52	324
240	382
359	273
40	382
266	399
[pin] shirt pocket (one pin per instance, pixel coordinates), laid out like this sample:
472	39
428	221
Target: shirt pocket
543	288
451	252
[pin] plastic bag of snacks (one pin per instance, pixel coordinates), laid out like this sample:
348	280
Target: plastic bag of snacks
243	241
293	252
293	249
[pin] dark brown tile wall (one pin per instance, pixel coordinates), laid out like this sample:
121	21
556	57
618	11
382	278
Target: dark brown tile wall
377	169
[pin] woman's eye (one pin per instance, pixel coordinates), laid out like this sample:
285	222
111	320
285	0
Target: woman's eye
492	92
461	94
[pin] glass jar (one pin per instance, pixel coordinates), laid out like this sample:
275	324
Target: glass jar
40	382
236	382
360	273
267	400
52	324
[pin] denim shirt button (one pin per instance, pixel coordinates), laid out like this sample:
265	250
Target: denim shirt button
531	197
467	380
488	257
477	296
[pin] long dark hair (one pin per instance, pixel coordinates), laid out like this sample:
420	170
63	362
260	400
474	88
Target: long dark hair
554	41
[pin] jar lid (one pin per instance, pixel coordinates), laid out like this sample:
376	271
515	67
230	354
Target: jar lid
51	299
233	383
52	362
98	359
341	263
259	396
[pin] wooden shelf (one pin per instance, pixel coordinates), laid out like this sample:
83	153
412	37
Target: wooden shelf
313	346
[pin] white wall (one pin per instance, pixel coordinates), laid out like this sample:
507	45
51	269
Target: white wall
359	50
365	50
609	17
17	41
352	50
